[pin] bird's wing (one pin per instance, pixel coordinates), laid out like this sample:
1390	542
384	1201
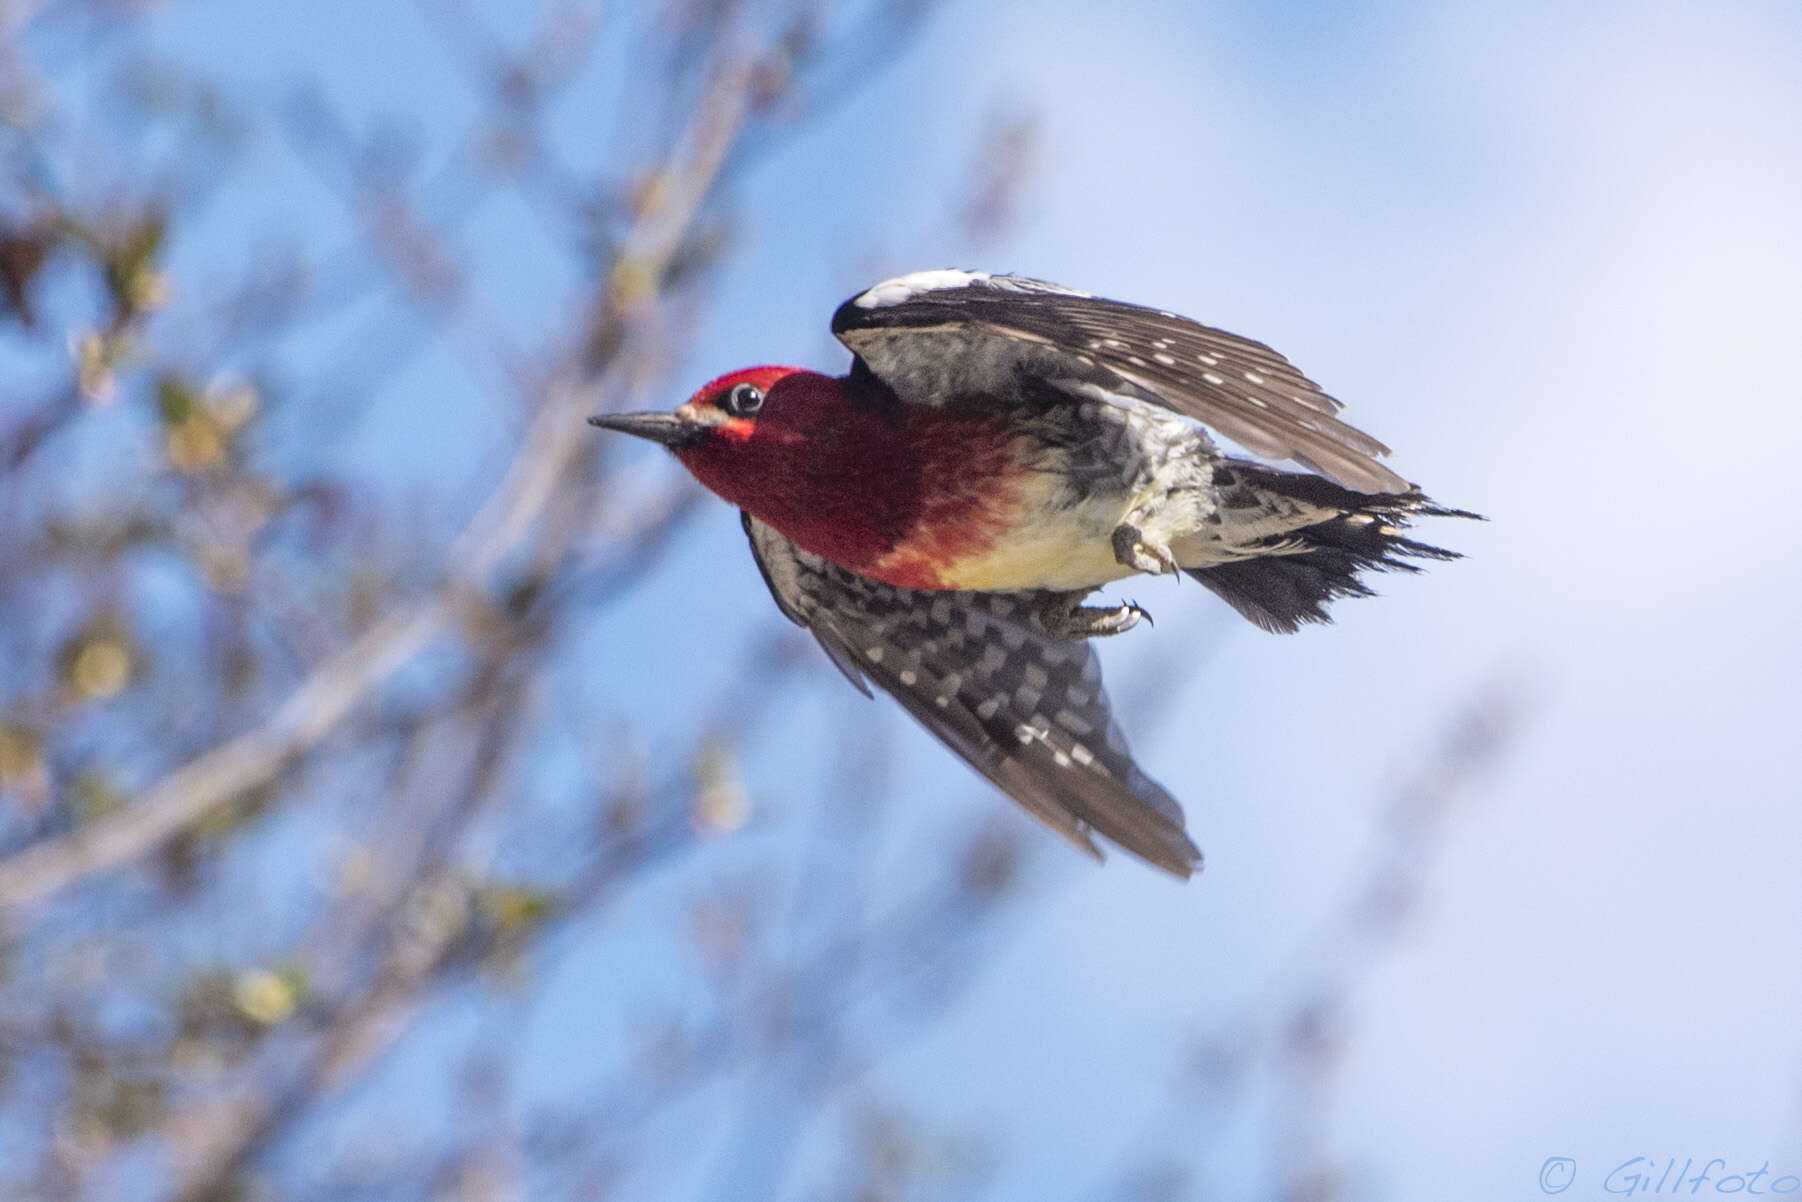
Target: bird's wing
977	671
936	336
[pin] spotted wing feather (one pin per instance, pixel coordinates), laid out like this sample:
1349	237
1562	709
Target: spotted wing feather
977	671
938	336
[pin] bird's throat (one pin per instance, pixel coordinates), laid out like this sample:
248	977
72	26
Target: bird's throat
900	500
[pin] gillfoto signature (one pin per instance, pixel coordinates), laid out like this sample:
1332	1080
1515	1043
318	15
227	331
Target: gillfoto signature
1644	1175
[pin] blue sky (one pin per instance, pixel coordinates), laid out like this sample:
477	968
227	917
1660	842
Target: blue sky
1547	252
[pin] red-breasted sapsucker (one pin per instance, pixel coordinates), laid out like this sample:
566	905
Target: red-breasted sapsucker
1001	448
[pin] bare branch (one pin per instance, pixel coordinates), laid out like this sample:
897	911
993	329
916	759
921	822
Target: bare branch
498	529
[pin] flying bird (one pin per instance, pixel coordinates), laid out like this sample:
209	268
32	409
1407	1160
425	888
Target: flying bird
1001	448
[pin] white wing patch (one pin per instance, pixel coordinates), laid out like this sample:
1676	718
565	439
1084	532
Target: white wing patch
904	288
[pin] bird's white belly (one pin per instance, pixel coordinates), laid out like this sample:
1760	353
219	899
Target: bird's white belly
1048	546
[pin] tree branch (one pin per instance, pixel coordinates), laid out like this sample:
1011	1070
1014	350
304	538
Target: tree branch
498	530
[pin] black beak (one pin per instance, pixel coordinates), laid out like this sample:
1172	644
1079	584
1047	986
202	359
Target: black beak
666	428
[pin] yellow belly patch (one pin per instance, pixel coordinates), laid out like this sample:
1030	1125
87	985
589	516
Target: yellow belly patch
1048	547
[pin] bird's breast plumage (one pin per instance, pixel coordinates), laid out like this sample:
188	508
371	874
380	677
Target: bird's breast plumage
1017	532
1037	506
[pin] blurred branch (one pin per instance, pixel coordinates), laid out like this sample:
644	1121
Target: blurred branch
499	527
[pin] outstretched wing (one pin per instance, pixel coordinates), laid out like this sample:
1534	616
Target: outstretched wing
977	671
936	336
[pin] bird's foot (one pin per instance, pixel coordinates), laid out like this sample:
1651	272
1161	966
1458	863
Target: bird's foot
1064	617
1132	551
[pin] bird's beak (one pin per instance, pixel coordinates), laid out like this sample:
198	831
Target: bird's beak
671	429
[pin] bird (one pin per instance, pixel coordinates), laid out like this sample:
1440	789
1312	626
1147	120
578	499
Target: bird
1002	447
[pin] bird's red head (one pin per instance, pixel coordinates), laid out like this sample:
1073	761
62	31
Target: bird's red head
727	415
756	429
826	465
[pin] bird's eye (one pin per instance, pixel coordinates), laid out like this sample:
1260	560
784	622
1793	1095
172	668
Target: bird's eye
744	400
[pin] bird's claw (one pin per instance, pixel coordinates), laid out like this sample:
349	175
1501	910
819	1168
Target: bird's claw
1063	617
1132	551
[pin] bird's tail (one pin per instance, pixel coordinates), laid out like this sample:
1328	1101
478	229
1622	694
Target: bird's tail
1287	579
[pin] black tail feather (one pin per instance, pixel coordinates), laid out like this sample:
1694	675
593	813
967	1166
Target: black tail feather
1307	568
